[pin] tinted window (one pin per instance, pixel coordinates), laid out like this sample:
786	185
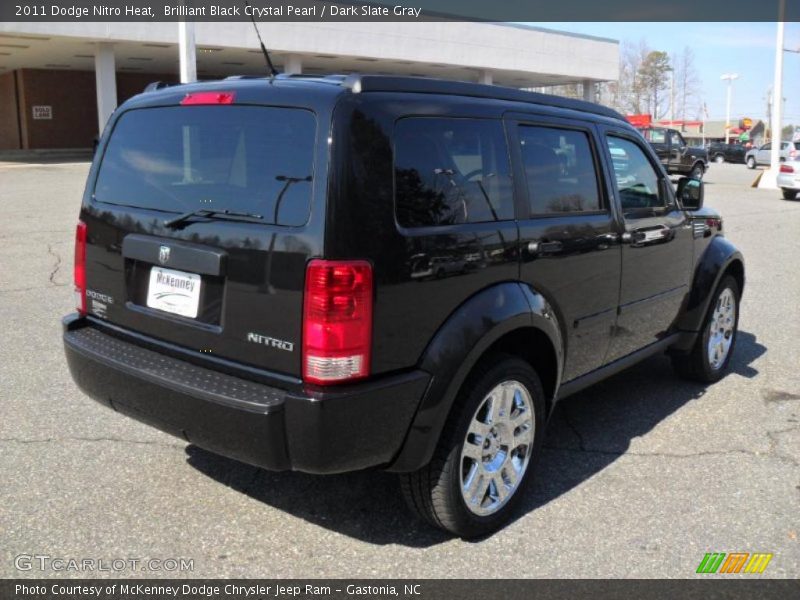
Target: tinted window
637	179
240	158
450	171
559	169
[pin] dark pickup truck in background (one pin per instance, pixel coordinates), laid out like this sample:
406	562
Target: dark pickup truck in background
720	152
675	154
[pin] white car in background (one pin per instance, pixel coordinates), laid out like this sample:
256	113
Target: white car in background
761	155
789	178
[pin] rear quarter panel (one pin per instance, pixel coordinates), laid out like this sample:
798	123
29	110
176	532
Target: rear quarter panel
410	305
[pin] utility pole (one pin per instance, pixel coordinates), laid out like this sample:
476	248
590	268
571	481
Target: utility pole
672	98
769	114
769	178
187	52
729	77
777	95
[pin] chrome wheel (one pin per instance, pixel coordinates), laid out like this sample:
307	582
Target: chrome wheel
721	329
497	448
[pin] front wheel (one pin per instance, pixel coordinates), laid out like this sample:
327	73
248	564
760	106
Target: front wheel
697	172
709	359
486	452
751	162
719	159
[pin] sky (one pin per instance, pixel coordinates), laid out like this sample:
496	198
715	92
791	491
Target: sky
744	48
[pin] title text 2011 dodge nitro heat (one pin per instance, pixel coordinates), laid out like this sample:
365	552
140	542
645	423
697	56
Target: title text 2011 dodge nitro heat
338	273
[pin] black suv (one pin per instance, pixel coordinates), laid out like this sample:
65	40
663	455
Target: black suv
678	157
339	273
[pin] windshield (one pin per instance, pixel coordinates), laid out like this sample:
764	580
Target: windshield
237	158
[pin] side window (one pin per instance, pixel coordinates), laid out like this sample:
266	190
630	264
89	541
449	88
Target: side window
637	179
676	140
559	169
658	136
450	171
767	146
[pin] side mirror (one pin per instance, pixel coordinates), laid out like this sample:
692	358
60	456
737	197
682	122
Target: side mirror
690	192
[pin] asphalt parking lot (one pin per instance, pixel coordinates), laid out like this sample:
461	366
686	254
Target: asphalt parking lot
641	476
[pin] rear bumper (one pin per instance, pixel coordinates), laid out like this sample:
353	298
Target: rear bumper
346	429
789	181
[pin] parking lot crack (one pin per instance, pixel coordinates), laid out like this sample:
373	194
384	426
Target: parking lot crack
679	455
113	440
772	436
56	266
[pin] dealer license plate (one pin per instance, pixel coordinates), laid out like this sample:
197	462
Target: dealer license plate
174	291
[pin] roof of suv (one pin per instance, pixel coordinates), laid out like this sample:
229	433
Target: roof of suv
356	83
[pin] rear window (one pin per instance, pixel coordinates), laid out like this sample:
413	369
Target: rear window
241	158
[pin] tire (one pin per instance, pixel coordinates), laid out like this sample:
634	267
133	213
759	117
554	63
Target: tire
789	194
706	363
436	492
751	162
719	159
697	172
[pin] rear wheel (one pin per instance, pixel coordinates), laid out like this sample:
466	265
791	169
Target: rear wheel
789	194
486	452
751	162
709	359
719	159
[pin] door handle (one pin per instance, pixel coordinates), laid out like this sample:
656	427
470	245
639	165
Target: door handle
554	246
544	247
643	236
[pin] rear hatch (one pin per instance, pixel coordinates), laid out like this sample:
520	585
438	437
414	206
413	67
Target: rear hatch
198	227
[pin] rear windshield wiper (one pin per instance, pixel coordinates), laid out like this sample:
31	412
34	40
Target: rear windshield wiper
205	212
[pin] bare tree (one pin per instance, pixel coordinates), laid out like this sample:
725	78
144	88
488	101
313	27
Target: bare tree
627	94
567	90
687	82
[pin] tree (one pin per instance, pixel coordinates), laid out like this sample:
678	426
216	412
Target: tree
628	94
653	76
567	90
687	82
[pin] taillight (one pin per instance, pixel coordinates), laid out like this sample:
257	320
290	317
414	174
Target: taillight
787	168
208	98
80	267
337	321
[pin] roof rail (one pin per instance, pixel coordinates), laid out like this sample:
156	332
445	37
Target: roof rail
389	83
157	85
236	77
